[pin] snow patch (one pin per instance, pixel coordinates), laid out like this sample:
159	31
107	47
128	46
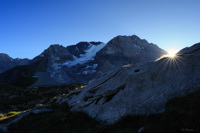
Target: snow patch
89	71
89	55
91	67
55	68
77	48
138	47
94	66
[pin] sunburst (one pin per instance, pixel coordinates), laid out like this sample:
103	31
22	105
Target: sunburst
172	53
169	63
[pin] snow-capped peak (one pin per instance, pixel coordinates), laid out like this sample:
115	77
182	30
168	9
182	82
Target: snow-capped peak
89	55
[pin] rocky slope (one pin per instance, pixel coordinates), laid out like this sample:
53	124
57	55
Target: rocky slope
7	62
181	115
139	89
86	60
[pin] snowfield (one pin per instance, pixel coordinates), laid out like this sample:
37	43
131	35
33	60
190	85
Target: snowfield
89	55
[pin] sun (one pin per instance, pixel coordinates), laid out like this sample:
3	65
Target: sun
171	53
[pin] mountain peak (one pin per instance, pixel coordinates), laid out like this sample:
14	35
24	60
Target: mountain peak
7	62
55	46
4	56
131	39
56	49
129	46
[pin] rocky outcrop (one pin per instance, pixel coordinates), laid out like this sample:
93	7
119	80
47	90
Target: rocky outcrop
139	89
6	62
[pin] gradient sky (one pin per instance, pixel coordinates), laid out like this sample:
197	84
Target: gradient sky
27	27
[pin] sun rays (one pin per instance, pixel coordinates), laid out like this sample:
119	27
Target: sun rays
171	53
169	63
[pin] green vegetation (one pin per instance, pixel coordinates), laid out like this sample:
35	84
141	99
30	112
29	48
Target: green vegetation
12	113
1	116
181	115
8	115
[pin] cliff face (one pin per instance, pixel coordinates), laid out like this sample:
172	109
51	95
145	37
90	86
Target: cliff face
139	89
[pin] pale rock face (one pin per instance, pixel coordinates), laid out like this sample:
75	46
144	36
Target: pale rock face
139	89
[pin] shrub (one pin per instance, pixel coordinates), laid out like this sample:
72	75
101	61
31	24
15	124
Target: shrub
12	113
1	115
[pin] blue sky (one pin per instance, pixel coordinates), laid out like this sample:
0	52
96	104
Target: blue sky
27	27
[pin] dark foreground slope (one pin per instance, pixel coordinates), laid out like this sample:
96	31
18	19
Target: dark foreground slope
181	115
14	98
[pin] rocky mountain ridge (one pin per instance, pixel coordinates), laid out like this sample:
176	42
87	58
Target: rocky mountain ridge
86	60
140	89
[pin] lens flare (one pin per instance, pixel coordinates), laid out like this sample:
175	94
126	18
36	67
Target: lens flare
171	53
170	62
